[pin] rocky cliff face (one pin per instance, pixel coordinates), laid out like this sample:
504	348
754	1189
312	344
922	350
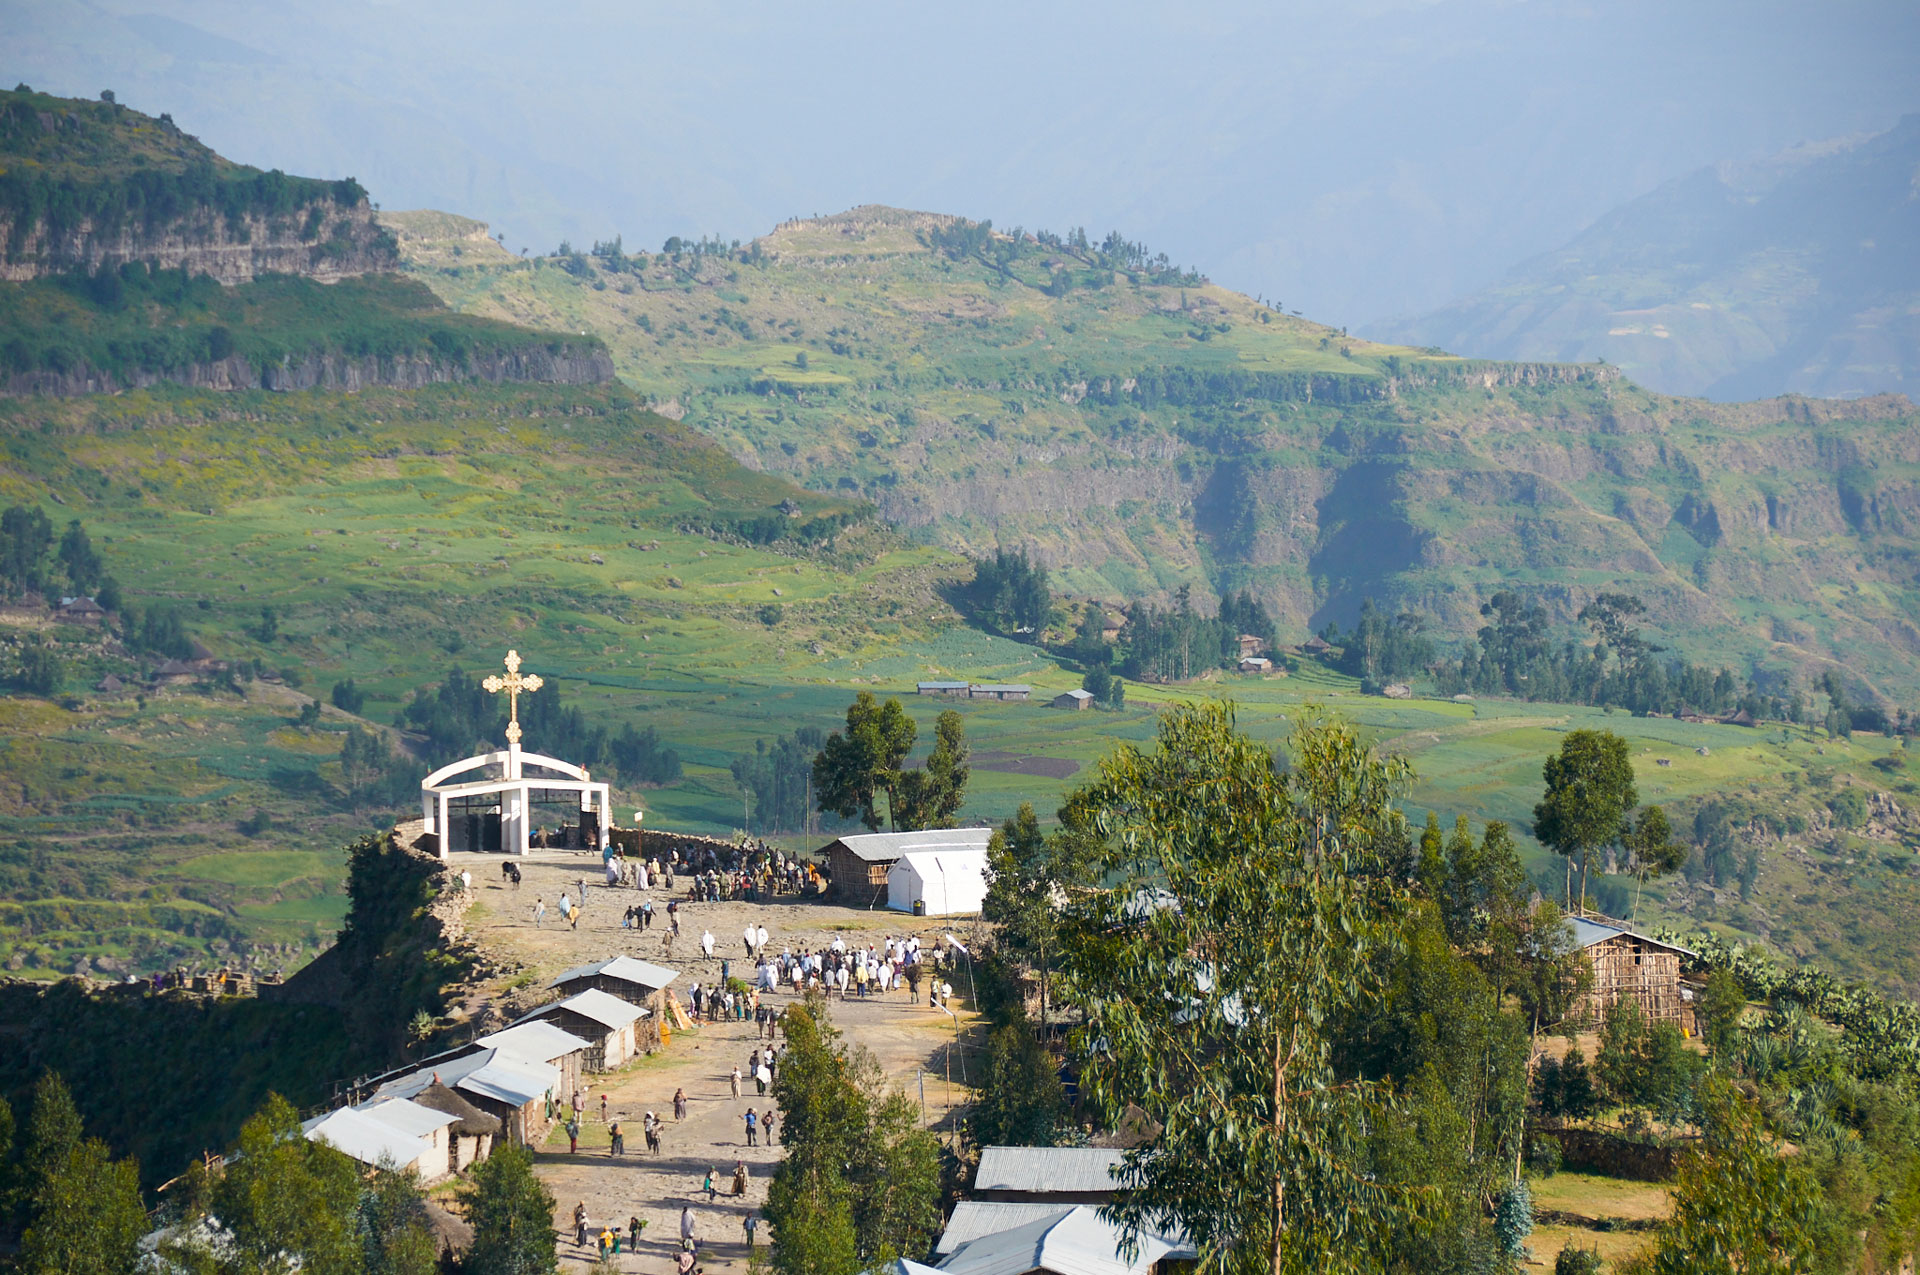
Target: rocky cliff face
557	364
320	240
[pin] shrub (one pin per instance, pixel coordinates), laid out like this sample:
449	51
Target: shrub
1543	1155
1577	1261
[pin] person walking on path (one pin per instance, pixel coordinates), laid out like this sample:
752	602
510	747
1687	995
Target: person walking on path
708	1186
706	943
686	1224
739	1178
580	1224
679	1104
749	936
539	912
573	1137
753	1127
734	1080
751	1224
633	1233
618	1143
603	1108
766	1126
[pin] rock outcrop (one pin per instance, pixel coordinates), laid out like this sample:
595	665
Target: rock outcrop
321	240
558	363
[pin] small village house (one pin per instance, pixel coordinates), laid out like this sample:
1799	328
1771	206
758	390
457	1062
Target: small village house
606	1022
640	983
858	864
471	1136
1001	691
1250	644
1629	965
1255	664
953	690
1076	699
1397	690
410	1138
544	1043
510	1088
80	611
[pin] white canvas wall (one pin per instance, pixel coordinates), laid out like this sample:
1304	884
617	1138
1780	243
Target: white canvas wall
952	882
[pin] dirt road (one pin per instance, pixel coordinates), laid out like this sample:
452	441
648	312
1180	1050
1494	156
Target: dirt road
906	1037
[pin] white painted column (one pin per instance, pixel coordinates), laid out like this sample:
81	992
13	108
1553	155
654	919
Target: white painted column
446	831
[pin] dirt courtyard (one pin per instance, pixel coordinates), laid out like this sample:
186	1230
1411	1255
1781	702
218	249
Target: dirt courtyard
913	1044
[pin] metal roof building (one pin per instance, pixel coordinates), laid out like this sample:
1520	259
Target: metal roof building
367	1138
624	969
857	865
973	1219
1065	1175
1076	1242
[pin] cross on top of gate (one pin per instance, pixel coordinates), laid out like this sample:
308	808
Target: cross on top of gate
513	683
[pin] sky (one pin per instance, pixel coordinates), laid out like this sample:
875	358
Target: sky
1357	162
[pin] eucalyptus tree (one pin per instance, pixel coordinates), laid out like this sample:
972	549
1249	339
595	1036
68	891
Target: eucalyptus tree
1246	911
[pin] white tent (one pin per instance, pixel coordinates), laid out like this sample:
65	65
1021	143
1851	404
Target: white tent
949	882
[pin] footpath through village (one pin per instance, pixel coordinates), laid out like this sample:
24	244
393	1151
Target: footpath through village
704	1169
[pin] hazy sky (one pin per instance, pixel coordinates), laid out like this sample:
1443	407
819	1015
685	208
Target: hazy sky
1353	161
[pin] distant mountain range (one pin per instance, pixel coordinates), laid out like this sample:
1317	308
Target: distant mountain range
1795	274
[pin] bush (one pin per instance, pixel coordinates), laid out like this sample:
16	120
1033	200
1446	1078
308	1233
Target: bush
1577	1261
1543	1155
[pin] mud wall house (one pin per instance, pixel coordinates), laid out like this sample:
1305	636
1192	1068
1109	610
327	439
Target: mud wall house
1001	691
1075	699
508	1088
370	1135
607	1023
640	983
542	1042
471	1136
1628	965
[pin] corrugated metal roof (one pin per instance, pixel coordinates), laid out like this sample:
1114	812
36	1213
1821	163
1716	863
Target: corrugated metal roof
365	1137
628	968
974	1218
408	1116
942	686
1077	1242
998	687
602	1007
536	1041
488	1073
876	846
1586	933
1047	1170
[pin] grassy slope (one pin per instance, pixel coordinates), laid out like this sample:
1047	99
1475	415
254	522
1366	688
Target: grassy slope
386	530
1772	537
166	325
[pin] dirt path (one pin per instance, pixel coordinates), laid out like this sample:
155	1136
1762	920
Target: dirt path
904	1036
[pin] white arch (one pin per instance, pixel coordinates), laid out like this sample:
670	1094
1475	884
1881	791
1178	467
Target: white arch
468	763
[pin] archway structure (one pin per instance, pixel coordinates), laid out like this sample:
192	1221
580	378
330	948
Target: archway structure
506	783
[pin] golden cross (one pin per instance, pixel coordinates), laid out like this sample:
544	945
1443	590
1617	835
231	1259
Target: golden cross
513	683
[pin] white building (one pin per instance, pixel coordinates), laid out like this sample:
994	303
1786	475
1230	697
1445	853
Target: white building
948	881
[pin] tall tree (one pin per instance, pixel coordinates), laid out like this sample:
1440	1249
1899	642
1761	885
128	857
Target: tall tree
1741	1206
1652	850
1246	906
512	1215
288	1202
86	1216
78	559
392	1225
929	798
53	1130
1590	790
1020	1102
855	767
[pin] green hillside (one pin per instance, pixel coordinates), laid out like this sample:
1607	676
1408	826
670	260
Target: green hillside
392	536
1139	430
1796	274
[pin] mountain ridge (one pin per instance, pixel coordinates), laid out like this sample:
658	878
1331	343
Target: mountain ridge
1138	437
1798	272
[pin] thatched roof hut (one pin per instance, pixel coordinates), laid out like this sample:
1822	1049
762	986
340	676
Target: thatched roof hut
472	1122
